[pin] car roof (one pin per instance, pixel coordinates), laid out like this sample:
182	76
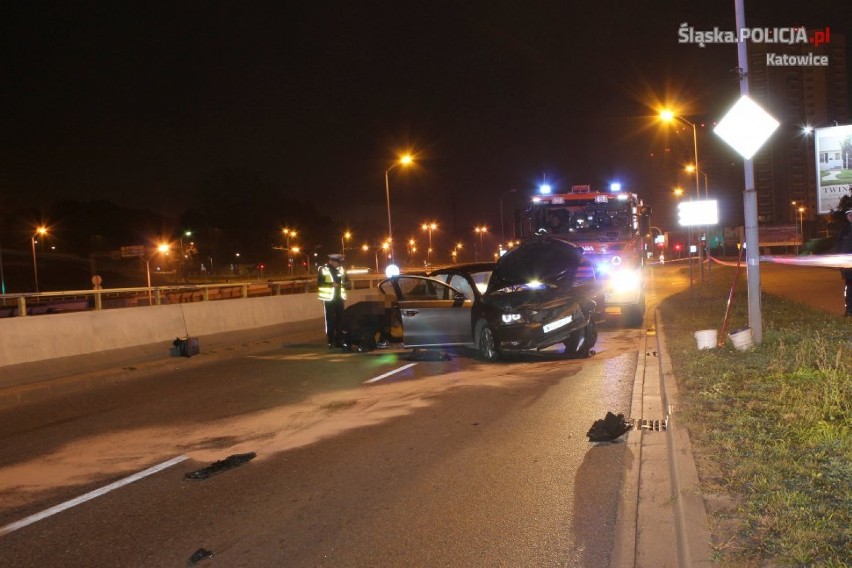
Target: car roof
468	267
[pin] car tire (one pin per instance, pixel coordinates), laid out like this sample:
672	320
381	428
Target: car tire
486	343
580	343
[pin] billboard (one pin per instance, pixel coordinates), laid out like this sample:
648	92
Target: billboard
833	150
698	213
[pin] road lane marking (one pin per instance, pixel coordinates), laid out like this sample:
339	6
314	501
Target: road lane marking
89	496
380	377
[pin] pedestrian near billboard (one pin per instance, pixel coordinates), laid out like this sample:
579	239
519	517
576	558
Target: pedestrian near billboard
844	246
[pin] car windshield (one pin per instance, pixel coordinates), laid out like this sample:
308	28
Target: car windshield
535	265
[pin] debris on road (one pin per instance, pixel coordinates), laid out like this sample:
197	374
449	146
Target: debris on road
217	467
609	428
427	355
199	555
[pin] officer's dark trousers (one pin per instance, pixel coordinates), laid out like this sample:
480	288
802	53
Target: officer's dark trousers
848	294
333	320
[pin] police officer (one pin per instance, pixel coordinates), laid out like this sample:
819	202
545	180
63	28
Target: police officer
844	246
332	283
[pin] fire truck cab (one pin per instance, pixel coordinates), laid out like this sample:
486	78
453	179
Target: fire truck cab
609	226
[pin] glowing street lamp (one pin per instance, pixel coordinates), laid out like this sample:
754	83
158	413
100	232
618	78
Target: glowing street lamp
690	168
405	160
412	248
669	116
346	236
40	231
456	251
429	227
481	232
801	211
287	232
162	248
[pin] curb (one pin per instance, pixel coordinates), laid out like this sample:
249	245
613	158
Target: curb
661	518
693	533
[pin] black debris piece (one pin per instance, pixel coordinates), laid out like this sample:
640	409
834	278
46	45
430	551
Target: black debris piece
217	467
185	347
199	555
608	429
427	355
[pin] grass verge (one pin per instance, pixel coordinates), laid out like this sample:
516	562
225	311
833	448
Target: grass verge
771	427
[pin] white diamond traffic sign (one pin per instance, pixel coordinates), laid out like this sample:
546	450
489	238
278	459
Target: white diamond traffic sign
746	127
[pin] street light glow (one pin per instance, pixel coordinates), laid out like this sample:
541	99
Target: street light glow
404	160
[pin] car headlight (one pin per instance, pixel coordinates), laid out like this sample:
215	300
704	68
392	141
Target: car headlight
509	319
625	280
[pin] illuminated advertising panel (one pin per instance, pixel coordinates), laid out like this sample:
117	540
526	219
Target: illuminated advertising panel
833	149
698	213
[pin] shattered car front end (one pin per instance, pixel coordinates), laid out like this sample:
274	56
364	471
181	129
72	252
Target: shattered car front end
542	293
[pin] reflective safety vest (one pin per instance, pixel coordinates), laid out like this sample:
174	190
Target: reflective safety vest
326	280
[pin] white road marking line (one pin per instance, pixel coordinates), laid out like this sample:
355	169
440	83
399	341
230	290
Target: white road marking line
380	377
89	496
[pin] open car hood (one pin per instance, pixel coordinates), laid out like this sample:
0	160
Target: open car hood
538	264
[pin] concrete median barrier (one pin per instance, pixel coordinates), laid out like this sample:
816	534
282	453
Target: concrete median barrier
40	338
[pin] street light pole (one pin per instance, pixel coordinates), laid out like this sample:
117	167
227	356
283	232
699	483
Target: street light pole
429	227
39	231
404	160
481	232
697	192
160	248
287	234
668	116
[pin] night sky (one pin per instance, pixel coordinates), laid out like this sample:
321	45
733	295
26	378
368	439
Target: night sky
140	102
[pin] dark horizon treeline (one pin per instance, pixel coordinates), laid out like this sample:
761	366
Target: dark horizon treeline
233	212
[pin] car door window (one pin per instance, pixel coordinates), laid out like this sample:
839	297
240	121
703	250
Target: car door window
461	283
417	288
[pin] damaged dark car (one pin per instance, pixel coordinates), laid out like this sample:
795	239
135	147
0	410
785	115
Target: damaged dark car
542	293
539	294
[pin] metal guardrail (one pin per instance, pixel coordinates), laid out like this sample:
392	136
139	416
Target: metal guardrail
45	303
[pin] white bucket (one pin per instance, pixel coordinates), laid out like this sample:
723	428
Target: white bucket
706	338
742	338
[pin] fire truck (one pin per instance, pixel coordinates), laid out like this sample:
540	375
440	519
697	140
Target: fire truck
610	226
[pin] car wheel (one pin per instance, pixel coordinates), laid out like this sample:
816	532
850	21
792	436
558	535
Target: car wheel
485	342
580	342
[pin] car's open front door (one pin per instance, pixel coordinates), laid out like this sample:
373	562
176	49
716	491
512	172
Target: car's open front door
433	313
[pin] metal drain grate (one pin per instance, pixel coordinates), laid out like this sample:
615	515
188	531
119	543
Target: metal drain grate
652	425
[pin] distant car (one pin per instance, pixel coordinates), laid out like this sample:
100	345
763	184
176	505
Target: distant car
540	293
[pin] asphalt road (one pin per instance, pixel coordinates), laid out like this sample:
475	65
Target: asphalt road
820	288
445	463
